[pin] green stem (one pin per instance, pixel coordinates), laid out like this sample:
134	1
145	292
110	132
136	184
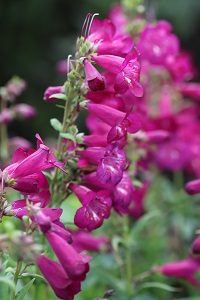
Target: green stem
17	272
178	180
128	257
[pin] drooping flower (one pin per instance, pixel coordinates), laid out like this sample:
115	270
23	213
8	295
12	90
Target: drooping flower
62	285
96	207
127	71
85	241
184	269
51	91
26	167
96	82
75	265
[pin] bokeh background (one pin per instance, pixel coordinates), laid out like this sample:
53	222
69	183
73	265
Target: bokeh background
36	34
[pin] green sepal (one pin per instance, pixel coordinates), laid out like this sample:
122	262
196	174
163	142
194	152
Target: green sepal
68	136
59	96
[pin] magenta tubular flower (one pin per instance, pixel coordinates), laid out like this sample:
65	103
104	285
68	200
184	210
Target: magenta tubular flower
191	90
193	187
127	71
184	269
120	121
196	246
25	111
96	82
84	241
111	166
75	265
137	207
157	43
121	193
62	285
96	207
25	164
104	36
51	91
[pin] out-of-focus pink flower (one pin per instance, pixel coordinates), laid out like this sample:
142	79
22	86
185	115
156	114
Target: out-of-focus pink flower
85	241
157	43
193	187
107	40
173	154
18	142
137	207
25	111
196	246
184	269
6	116
191	90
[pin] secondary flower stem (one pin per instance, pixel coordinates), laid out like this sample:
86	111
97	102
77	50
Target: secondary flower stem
17	272
128	257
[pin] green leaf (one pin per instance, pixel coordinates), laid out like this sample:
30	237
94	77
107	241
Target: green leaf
158	285
55	123
8	281
22	293
68	136
59	96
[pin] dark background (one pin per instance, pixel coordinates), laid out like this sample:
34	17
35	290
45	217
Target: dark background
35	34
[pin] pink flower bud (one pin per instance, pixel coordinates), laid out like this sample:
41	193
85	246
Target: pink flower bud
6	116
25	111
96	82
50	91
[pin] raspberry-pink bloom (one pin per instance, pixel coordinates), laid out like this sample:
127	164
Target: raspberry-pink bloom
173	154
111	162
193	187
120	121
184	269
85	241
111	166
6	116
33	161
96	82
51	91
157	43
127	71
96	207
62	285
137	207
75	265
196	246
24	111
107	40
191	90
